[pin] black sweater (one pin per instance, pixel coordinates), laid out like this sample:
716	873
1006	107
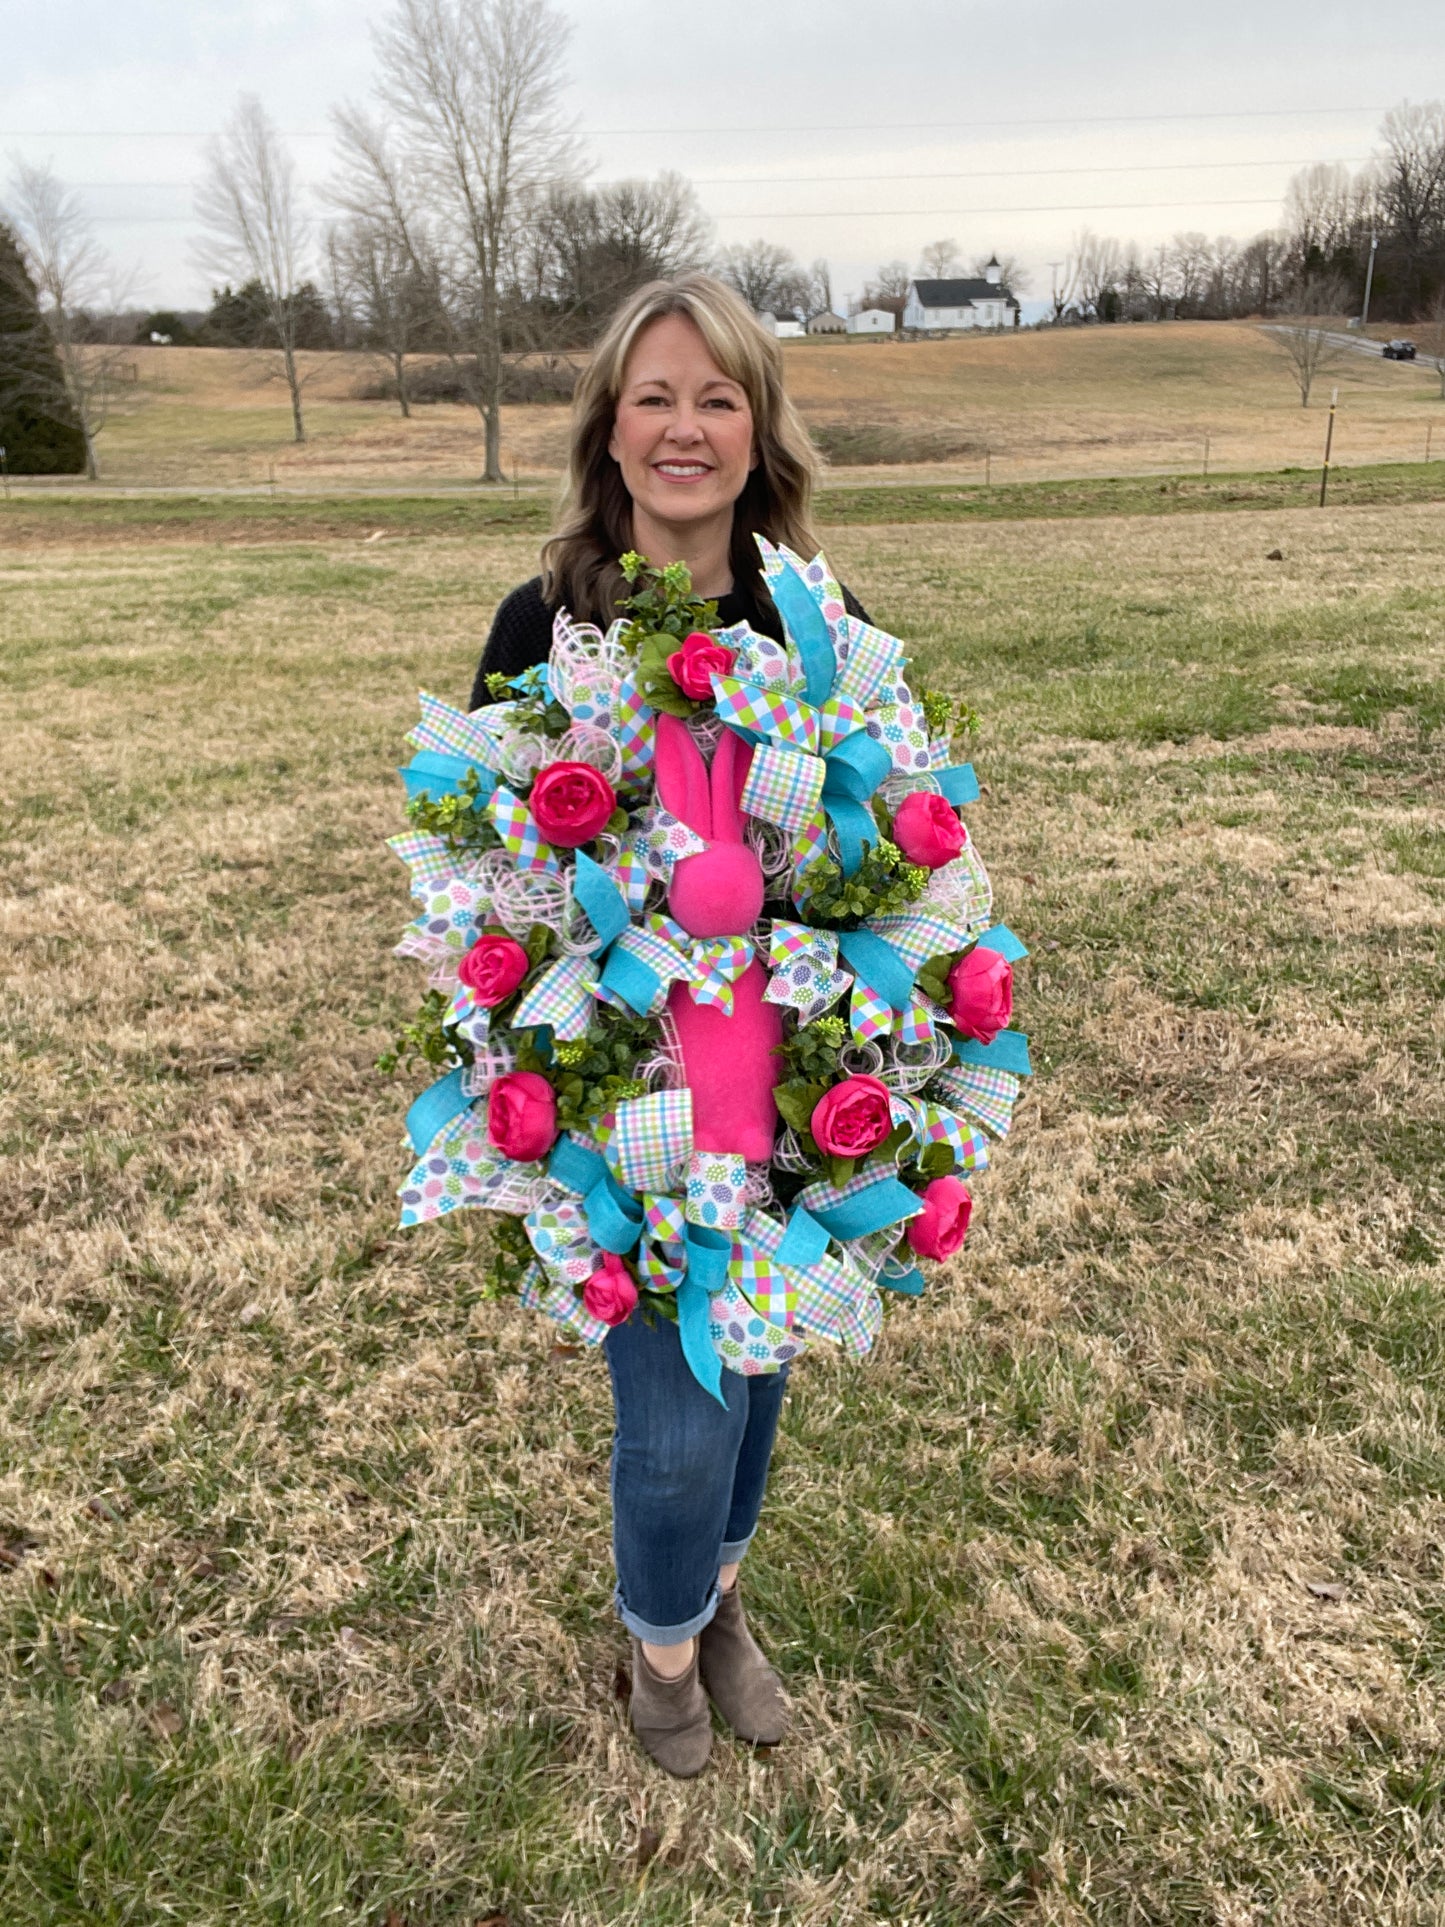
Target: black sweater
521	635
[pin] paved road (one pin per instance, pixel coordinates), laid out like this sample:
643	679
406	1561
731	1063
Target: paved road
1360	345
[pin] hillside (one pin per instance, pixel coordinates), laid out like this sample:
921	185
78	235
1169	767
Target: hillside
1043	405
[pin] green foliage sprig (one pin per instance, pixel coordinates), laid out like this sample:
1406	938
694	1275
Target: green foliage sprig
426	1039
944	713
595	1073
884	882
531	695
459	819
662	611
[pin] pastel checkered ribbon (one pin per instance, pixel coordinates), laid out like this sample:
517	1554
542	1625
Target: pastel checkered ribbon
634	730
562	998
983	1092
449	732
513	823
830	1300
804	967
714	963
651	1139
427	857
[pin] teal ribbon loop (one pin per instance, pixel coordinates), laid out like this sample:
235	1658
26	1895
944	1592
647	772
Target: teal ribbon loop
874	960
614	1215
707	1270
808	628
958	783
436	1108
431	773
1003	940
852	772
631	979
910	1283
1009	1051
874	1208
600	897
804	1242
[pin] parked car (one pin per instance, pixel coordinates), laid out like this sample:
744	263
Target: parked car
1398	351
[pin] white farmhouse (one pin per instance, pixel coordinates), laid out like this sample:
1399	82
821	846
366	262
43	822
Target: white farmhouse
872	321
786	329
972	302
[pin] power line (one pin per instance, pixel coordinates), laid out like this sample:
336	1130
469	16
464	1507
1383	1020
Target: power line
834	213
842	180
772	127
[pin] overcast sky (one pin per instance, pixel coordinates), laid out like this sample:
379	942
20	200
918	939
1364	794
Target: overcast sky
854	129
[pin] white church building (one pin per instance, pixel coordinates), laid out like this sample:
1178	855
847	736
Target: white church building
934	307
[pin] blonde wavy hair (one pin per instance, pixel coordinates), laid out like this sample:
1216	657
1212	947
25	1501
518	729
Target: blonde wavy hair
594	523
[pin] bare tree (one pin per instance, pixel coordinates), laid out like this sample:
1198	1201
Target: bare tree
1411	188
1308	338
256	229
1157	278
379	287
767	277
940	259
476	137
820	287
1436	322
73	276
889	287
1099	270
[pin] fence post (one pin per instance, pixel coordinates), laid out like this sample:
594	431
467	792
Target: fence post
1329	438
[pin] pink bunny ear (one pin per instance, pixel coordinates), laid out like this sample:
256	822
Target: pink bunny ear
681	776
732	759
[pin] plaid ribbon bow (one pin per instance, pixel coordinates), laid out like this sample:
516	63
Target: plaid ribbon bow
805	973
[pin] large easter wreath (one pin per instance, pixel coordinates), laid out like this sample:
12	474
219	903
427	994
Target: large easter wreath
715	989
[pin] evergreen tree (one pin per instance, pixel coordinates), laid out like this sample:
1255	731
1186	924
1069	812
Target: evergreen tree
38	427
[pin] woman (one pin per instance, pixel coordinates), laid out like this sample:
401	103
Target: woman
684	447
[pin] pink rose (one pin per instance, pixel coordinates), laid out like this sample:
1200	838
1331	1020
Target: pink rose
609	1294
492	969
693	666
927	829
522	1116
982	985
942	1225
571	803
852	1119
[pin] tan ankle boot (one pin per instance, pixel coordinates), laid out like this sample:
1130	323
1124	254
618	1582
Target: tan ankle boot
744	1688
670	1716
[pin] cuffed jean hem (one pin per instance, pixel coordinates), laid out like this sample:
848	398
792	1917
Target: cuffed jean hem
665	1635
730	1552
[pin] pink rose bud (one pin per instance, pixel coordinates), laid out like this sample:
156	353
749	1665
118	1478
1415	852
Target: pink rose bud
610	1294
927	829
522	1116
942	1225
700	658
852	1119
571	803
492	969
982	988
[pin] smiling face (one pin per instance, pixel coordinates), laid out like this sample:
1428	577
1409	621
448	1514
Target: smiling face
683	432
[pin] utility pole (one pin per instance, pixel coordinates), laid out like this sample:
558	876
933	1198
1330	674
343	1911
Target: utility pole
1369	281
1054	267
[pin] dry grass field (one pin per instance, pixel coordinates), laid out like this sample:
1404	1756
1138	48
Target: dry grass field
1099	401
1108	1590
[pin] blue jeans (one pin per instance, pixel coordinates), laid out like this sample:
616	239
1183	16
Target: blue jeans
688	1477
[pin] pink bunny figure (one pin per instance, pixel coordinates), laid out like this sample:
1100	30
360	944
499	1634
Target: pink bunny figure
730	1061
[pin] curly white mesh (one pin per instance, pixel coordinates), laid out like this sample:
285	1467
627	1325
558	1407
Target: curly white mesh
575	933
772	845
789	1155
960	891
663	1071
900	783
861	1060
585	666
758	1189
494	1059
521	898
706	728
520	1191
909	1066
871	1253
585	743
521	752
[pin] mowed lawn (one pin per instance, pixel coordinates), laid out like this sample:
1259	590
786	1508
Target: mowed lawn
1108	1590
